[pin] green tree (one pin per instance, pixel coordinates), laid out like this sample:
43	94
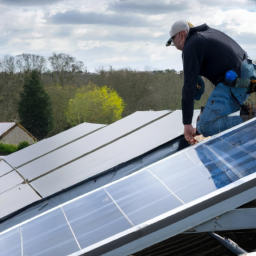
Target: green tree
95	105
34	108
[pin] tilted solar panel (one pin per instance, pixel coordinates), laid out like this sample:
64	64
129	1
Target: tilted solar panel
157	202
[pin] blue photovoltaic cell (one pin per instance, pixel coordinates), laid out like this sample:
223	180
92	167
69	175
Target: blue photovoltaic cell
142	197
10	243
95	217
48	235
188	183
230	156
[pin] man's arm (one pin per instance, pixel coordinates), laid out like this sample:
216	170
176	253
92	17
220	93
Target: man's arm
193	55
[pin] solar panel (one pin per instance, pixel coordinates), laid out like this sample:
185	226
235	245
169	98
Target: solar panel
157	202
9	181
45	146
120	151
49	167
76	149
4	168
16	198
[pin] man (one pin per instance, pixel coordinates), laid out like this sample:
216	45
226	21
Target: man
210	53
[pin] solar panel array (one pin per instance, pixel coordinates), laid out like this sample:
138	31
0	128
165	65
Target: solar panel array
128	206
82	152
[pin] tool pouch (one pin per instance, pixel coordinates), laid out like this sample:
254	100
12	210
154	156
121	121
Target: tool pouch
199	88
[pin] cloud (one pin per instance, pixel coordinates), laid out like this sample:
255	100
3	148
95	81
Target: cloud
77	17
147	8
28	2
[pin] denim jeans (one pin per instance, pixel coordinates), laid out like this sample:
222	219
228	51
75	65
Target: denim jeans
223	101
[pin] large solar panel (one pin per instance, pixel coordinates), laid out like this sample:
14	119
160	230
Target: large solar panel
74	141
47	145
4	168
122	150
38	163
157	202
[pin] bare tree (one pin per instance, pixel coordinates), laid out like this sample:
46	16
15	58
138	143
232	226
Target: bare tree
10	87
28	62
7	64
64	67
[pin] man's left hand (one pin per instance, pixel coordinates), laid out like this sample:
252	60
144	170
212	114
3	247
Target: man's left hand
189	133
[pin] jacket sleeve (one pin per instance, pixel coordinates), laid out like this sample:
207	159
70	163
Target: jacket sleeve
193	55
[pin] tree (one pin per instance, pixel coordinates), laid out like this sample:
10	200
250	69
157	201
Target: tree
95	105
35	106
64	67
28	62
10	88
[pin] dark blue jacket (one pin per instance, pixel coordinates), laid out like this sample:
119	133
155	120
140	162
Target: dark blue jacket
210	53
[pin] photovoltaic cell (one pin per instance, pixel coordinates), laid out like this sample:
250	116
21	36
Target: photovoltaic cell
230	156
188	183
10	243
142	197
94	218
48	235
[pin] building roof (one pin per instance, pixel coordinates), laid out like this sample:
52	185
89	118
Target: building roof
5	128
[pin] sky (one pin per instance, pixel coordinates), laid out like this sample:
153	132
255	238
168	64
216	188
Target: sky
118	33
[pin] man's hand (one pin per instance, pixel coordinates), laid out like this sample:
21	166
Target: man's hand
189	133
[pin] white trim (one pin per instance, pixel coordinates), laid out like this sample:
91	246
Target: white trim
165	186
21	241
119	208
70	228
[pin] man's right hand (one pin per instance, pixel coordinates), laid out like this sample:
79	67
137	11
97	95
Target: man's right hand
189	133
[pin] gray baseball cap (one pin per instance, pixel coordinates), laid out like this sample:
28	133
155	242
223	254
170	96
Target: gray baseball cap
177	27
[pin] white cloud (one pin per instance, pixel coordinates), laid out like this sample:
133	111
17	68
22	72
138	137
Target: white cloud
126	34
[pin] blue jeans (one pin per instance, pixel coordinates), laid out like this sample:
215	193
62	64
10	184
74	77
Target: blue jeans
225	100
222	102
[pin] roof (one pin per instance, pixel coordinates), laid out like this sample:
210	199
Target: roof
5	128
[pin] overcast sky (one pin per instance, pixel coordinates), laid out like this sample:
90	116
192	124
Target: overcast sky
120	33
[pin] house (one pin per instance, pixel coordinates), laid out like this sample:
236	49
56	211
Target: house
14	133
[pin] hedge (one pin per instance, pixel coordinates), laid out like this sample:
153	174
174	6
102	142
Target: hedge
9	148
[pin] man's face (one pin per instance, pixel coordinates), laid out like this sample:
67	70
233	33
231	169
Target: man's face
179	40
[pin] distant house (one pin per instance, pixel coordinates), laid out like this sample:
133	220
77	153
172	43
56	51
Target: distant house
14	133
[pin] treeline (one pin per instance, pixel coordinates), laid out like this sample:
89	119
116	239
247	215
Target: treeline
63	75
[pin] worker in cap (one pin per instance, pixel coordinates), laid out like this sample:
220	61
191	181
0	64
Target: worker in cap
210	53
